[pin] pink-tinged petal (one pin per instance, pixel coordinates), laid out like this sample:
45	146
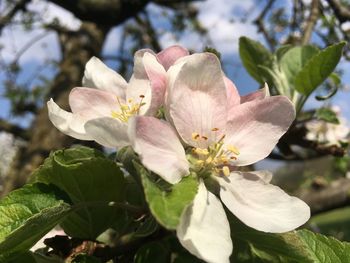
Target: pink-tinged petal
97	103
139	69
157	76
257	95
168	56
256	126
68	123
204	229
108	132
172	75
159	148
233	98
260	205
149	81
198	99
98	75
139	91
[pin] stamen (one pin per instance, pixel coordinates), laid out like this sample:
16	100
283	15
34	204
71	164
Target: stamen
215	129
195	136
233	149
205	138
226	170
201	151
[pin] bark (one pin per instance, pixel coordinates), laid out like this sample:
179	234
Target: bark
77	48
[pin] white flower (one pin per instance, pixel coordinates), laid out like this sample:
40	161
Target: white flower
328	133
101	110
220	130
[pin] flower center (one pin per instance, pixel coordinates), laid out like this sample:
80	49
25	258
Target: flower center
128	109
215	159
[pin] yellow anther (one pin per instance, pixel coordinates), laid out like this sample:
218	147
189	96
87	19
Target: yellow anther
195	136
215	129
130	100
226	170
233	149
124	107
209	160
199	162
201	151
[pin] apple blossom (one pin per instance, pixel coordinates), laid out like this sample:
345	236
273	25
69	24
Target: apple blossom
328	133
211	131
102	108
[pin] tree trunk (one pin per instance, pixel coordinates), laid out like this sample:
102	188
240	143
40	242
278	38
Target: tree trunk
77	48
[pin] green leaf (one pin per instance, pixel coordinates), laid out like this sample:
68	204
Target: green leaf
294	60
295	246
266	246
327	115
153	252
324	249
253	54
167	203
282	50
318	68
84	258
335	222
27	214
92	182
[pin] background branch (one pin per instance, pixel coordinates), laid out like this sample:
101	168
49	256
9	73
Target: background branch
314	12
335	195
14	129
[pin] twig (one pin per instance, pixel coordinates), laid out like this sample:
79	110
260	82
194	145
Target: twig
341	12
14	129
4	20
314	12
259	21
336	195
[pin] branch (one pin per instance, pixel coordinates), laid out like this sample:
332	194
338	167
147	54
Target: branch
314	12
150	35
19	6
14	129
259	21
103	12
341	12
336	195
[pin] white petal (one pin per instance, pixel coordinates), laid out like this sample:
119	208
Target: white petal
198	101
261	205
256	127
93	103
108	132
204	229
140	88
98	75
159	148
68	123
257	95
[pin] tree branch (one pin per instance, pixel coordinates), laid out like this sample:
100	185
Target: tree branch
341	12
14	129
259	21
335	195
19	6
314	12
103	12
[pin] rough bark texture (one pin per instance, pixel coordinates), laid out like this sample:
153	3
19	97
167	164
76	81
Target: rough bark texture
77	48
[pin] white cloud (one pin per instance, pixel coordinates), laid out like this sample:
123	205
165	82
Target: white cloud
14	38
